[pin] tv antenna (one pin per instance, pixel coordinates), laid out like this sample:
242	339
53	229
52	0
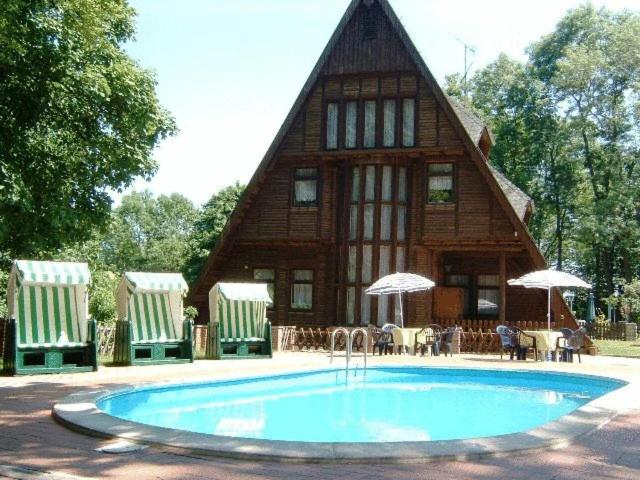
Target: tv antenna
469	53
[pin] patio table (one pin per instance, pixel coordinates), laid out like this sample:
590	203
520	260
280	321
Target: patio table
545	341
405	337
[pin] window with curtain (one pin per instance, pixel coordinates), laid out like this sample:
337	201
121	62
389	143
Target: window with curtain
351	124
389	132
370	124
488	295
408	122
302	289
305	187
268	276
440	183
332	126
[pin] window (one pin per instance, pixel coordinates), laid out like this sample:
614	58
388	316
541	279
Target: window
351	124
302	290
369	27
332	126
370	124
268	276
408	122
488	295
440	183
305	186
389	134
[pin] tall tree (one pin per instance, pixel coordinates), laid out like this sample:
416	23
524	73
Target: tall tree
531	147
591	63
78	118
149	233
208	227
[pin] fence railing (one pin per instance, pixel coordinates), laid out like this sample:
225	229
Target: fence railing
613	331
106	339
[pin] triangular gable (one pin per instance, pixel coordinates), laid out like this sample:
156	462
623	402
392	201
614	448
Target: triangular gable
443	103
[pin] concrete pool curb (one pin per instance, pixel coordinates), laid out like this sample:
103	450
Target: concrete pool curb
79	412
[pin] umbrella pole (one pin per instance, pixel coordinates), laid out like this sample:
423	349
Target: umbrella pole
549	309
401	314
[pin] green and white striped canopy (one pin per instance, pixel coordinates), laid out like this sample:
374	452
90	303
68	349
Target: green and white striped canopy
152	303
152	317
240	309
48	300
29	272
156	282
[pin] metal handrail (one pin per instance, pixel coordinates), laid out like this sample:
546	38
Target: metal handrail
333	342
365	342
349	346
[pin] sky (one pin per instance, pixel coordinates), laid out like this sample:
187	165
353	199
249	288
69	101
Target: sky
230	70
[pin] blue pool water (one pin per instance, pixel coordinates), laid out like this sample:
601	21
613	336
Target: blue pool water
382	405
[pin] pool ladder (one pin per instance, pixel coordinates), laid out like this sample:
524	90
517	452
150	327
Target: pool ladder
349	347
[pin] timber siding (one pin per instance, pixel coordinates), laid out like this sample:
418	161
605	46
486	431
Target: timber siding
480	233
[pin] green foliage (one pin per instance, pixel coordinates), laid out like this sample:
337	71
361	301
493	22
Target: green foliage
4	280
566	128
149	234
190	312
78	118
629	302
102	300
591	63
208	227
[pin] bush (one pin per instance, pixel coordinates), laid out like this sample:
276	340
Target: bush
629	302
102	300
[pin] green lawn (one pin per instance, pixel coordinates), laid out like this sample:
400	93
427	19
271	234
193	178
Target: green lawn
618	348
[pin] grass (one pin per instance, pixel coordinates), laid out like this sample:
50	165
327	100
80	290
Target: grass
618	348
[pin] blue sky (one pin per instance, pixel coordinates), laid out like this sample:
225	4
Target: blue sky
229	70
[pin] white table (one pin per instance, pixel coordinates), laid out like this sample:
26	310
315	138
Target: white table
545	341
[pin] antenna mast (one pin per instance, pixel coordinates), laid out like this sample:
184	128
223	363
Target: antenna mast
468	63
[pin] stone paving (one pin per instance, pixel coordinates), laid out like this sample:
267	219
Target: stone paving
33	445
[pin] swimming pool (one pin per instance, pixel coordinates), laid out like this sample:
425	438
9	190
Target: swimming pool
382	404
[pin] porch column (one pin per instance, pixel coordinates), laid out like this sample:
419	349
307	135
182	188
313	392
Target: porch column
503	288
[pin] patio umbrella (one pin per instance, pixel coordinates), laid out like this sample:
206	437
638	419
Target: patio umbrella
591	308
548	279
399	283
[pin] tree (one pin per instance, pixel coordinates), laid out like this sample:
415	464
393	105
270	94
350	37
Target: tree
591	63
208	227
531	145
629	302
78	119
149	233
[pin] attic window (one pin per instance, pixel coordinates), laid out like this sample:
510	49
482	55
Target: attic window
369	26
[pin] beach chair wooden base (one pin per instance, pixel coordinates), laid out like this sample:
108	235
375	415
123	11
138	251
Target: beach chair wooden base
35	360
128	352
245	348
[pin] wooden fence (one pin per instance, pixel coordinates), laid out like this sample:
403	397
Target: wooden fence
613	331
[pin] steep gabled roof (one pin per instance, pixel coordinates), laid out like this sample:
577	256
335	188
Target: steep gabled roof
474	126
454	116
520	201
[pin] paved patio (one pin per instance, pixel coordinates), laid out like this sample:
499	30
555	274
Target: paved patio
32	442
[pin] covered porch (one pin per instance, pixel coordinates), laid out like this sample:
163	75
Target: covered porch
472	292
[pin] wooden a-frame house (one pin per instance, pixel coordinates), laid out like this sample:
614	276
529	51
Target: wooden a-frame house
376	170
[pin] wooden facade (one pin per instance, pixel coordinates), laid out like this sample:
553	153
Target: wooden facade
376	170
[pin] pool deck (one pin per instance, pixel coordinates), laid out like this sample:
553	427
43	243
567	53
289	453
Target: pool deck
31	442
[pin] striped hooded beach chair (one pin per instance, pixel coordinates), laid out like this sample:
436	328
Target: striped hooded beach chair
239	325
49	330
151	327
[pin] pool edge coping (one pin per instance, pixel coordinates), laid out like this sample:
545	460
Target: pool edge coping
80	413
